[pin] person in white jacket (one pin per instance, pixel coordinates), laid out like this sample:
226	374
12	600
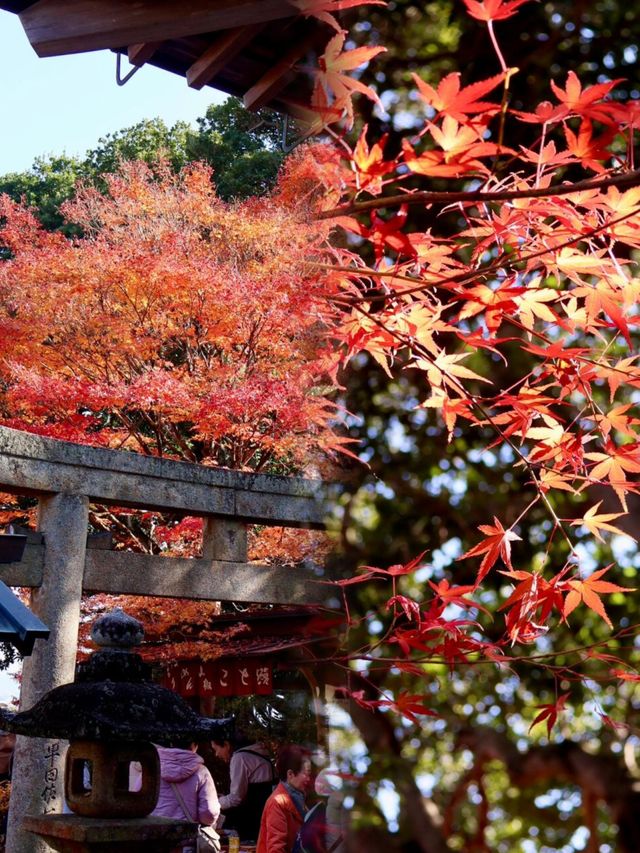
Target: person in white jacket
252	779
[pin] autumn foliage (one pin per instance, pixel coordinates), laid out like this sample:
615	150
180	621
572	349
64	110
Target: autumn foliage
176	325
528	260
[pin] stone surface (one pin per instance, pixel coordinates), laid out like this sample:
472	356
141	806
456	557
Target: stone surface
212	580
32	464
182	577
38	763
107	795
117	630
109	710
224	540
75	834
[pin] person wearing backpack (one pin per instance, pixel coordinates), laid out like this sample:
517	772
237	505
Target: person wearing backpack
285	809
252	780
187	789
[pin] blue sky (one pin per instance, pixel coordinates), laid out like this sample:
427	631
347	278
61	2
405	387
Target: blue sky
66	103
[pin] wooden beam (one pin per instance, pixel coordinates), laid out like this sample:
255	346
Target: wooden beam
56	27
221	52
30	464
276	78
140	53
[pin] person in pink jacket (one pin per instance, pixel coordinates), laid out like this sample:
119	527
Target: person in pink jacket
183	768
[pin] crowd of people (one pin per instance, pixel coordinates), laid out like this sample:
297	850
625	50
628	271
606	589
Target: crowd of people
267	804
279	806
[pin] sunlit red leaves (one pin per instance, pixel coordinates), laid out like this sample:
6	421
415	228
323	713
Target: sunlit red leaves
595	522
586	102
613	464
459	147
324	10
409	705
496	544
179	325
492	10
530	605
588	592
625	675
456	101
369	164
334	73
589	150
549	713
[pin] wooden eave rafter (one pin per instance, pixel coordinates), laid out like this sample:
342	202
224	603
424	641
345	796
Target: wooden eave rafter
277	78
56	27
140	53
252	49
223	50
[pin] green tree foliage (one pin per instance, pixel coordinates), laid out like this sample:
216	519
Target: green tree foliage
242	147
46	185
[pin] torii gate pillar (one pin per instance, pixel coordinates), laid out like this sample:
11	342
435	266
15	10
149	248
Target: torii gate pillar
38	765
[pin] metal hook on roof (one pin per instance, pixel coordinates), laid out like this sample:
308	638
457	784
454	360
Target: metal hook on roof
287	147
122	80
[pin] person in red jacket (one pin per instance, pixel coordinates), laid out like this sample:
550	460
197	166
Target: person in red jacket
285	809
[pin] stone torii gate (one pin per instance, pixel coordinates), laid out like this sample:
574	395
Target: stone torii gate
60	565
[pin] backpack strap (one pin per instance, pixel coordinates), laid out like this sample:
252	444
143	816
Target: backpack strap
263	757
183	805
335	844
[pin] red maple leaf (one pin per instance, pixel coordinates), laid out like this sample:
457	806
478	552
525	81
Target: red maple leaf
334	66
408	705
455	595
497	543
369	163
531	603
458	102
588	592
323	9
587	102
492	10
550	713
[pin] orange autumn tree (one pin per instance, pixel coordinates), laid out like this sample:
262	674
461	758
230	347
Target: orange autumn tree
497	281
177	325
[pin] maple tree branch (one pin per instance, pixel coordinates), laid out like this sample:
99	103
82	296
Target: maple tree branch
625	180
413	345
473	275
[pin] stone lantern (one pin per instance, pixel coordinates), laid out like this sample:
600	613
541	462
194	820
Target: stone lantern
112	715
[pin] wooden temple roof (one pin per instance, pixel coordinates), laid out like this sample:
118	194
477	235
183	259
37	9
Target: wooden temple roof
252	49
253	632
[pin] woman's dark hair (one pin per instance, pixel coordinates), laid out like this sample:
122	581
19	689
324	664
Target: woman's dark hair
236	739
290	757
179	744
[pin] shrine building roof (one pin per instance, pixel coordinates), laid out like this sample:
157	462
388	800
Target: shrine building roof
253	49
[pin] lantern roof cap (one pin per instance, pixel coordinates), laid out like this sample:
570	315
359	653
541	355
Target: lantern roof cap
113	698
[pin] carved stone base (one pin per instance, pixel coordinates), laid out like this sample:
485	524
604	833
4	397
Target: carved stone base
75	834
